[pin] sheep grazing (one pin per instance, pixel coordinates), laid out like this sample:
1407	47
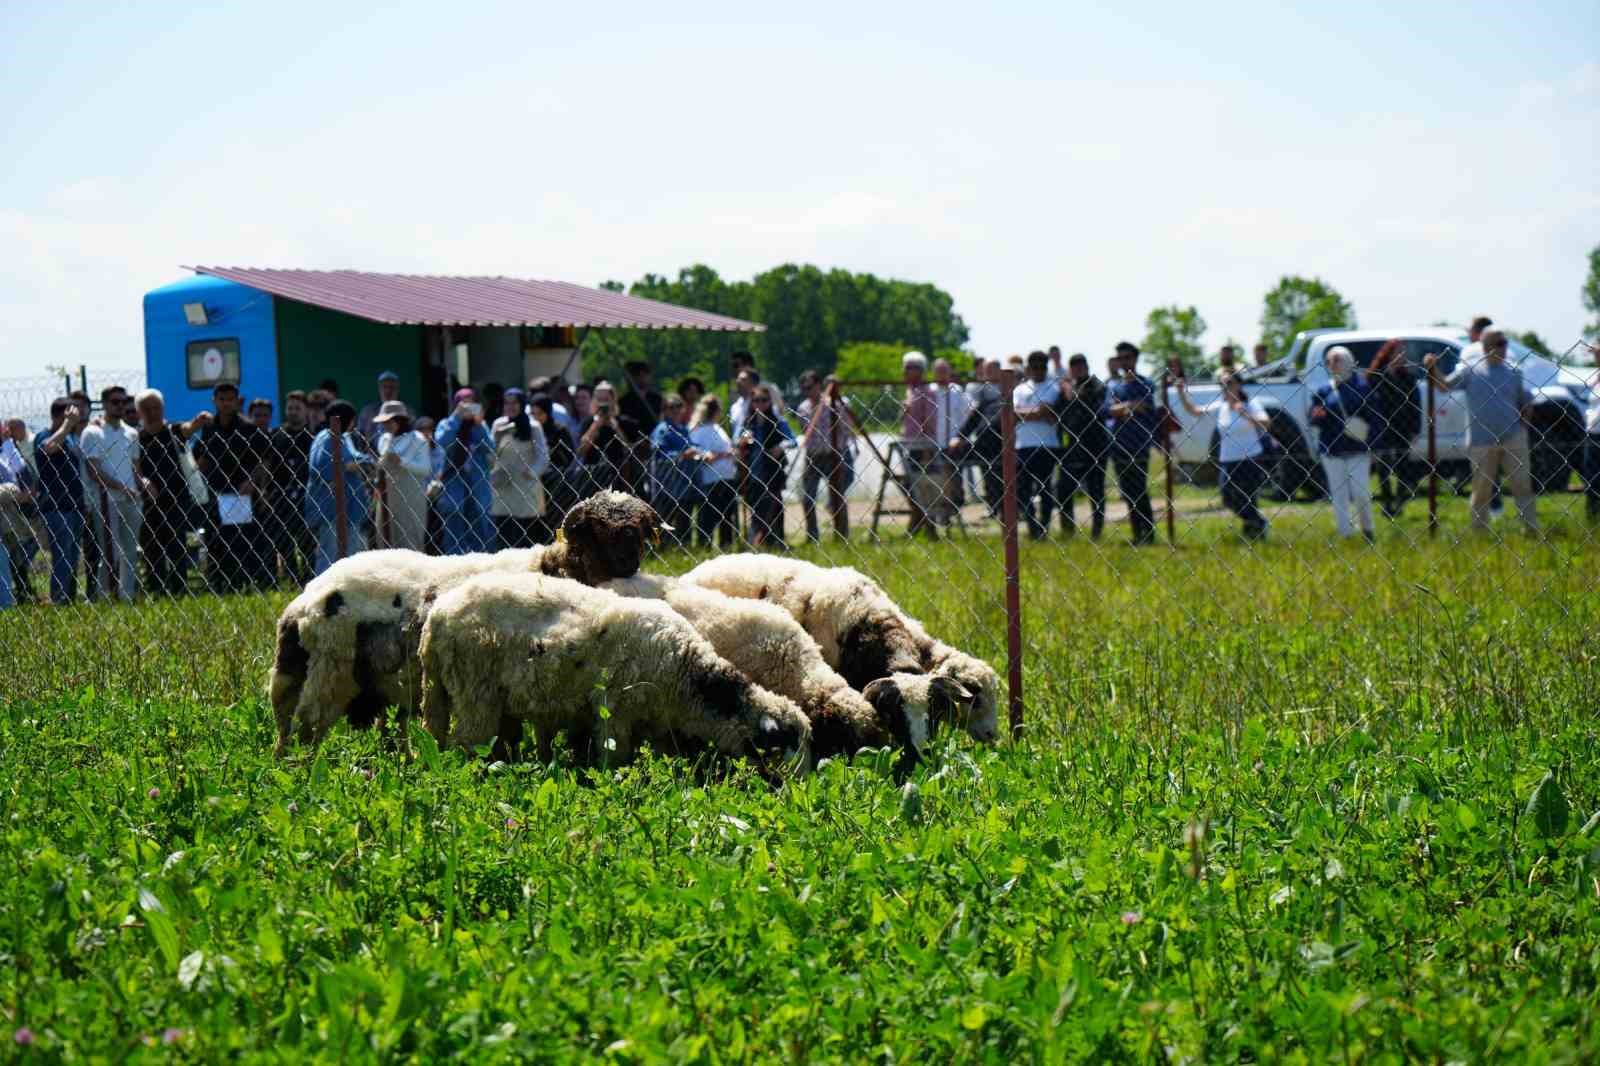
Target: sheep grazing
763	641
501	651
861	632
347	644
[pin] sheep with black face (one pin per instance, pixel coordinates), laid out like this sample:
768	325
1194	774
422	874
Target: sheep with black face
347	645
500	652
864	635
763	641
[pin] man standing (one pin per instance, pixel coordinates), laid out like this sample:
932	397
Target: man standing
231	455
90	544
640	407
918	443
288	456
1474	349
467	495
1038	434
388	390
980	433
1263	355
825	440
166	513
111	454
17	539
60	497
1225	361
1083	468
744	385
1497	409
1129	414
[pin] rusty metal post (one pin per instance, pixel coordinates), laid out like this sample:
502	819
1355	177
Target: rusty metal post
1008	524
1433	466
1166	459
340	518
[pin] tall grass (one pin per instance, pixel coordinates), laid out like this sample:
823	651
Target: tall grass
1271	803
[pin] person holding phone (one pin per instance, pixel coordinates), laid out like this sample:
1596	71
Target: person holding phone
1241	422
713	449
604	444
1130	417
764	448
465	496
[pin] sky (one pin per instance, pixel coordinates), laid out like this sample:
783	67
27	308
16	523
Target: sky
1059	168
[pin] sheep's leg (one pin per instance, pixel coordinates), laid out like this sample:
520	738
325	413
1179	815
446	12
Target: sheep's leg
545	738
508	740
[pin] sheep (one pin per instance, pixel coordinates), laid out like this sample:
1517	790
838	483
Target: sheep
762	641
502	650
861	632
347	644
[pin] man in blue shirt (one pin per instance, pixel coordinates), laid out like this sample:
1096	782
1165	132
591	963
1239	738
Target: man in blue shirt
1497	437
1130	418
468	454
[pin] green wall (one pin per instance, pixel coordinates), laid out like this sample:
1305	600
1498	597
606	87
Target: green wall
315	343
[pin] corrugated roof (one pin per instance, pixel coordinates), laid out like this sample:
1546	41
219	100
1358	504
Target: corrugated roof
436	300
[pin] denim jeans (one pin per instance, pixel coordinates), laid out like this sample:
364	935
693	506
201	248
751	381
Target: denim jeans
65	533
328	544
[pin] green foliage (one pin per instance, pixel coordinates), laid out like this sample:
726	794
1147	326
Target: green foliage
1276	826
1175	331
870	361
810	315
1591	291
1535	343
1298	303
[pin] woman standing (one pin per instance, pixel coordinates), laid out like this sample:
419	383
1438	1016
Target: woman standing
671	471
559	473
603	445
1396	423
407	467
1240	423
520	458
321	509
1342	416
764	443
714	450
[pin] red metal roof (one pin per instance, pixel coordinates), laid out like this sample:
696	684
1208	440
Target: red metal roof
435	300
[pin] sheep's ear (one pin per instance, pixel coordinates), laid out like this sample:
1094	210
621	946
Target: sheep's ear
890	705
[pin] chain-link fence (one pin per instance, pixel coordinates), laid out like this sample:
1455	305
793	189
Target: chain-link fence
1409	472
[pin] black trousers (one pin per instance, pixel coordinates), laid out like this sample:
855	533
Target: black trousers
1036	469
830	469
162	539
718	513
1132	468
1241	483
1083	469
1398	475
238	557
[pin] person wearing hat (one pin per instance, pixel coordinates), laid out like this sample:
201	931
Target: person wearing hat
1130	416
464	500
321	506
920	422
521	457
388	392
406	466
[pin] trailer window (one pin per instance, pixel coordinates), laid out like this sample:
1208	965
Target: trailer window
213	363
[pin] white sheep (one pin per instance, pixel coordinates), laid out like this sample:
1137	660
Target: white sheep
763	641
347	644
861	631
502	650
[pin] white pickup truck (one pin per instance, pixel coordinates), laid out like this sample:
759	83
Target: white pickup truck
1285	388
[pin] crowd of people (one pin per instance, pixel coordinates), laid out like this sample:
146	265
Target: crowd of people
135	503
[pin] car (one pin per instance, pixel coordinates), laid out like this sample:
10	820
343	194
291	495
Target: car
1285	387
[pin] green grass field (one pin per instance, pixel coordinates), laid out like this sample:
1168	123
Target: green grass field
1298	802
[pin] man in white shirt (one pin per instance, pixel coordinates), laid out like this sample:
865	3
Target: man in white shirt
1034	401
744	384
115	501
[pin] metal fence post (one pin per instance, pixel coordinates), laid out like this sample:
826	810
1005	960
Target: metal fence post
1433	466
340	518
1008	520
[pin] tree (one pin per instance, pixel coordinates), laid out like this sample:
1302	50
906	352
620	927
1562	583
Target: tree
1176	331
1302	303
1535	343
1591	292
